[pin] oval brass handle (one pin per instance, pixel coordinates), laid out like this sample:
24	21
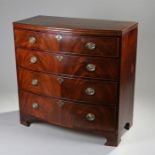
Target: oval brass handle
90	117
33	59
60	80
35	105
90	45
91	67
34	82
58	37
59	57
61	103
90	91
32	40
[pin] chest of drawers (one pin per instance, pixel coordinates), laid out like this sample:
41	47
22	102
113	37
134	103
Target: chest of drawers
77	73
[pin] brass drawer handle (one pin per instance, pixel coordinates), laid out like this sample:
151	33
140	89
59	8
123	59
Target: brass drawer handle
33	59
90	117
34	82
59	37
32	40
61	103
35	105
60	80
90	45
90	91
59	57
91	67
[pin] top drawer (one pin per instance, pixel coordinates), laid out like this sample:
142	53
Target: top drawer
68	43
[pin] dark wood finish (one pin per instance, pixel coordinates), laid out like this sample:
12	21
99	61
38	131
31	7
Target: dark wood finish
74	44
66	104
127	79
71	88
70	115
78	25
74	66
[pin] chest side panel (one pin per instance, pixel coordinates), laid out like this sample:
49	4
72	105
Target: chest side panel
127	79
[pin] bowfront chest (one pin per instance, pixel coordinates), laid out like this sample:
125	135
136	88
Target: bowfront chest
77	73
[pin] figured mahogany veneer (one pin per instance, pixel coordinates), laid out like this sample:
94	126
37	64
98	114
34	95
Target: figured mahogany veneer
70	114
70	65
105	46
70	88
77	73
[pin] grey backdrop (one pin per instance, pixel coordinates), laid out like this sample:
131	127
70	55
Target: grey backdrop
142	11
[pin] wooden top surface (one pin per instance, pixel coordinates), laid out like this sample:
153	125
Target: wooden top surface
77	24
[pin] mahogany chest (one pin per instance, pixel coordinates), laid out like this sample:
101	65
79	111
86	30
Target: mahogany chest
77	73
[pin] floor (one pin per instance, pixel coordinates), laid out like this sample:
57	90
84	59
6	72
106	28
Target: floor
44	139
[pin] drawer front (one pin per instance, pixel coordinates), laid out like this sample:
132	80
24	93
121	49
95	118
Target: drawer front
36	40
42	108
69	43
68	114
68	64
94	91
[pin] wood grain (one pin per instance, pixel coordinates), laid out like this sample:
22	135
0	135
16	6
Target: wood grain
73	44
72	115
127	80
66	104
77	25
74	89
73	66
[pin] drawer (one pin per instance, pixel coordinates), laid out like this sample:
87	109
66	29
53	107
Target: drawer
69	43
68	114
94	91
68	64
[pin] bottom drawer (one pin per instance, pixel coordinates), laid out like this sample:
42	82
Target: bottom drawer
68	114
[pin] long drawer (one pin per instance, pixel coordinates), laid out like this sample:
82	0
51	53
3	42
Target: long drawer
68	64
92	91
68	114
68	43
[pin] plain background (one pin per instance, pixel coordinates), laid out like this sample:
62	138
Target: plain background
142	11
